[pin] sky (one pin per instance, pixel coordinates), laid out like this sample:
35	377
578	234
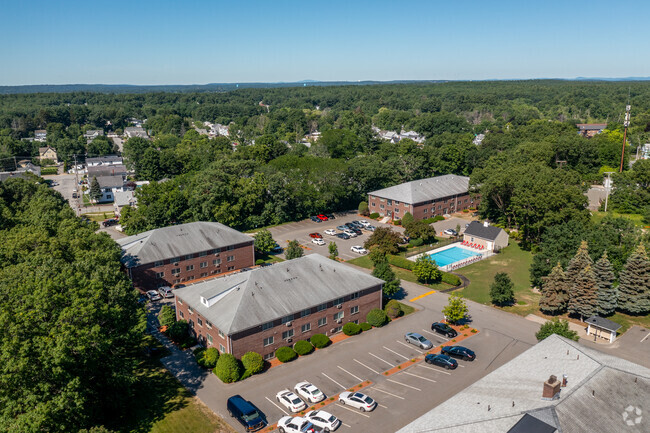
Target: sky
199	42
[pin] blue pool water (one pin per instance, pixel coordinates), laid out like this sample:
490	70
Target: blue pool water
452	255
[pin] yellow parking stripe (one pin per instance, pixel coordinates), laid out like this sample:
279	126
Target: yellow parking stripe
422	296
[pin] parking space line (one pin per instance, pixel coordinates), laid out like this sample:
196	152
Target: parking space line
644	338
334	381
419	377
356	377
437	335
403	384
271	401
381	405
434	369
372	354
352	410
389	393
346	424
396	353
410	346
422	296
369	368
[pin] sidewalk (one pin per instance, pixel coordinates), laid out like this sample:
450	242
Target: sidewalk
581	330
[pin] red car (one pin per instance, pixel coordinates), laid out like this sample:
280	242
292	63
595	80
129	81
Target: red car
322	217
315	235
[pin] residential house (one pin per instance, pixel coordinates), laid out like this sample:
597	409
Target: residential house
489	237
124	197
104	161
109	185
590	129
107	170
557	385
47	153
185	252
91	134
645	151
21	171
424	198
266	308
40	135
135	121
201	131
314	136
135	131
219	130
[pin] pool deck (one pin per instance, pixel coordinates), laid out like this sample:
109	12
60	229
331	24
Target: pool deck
459	264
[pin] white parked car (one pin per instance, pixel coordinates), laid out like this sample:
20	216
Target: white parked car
325	420
359	249
309	392
166	292
330	232
290	400
350	233
153	295
296	424
318	241
358	400
364	223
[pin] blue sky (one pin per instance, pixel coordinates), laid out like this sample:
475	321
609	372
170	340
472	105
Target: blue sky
191	41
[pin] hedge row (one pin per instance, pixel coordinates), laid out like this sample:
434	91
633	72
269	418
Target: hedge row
230	369
450	279
400	262
351	328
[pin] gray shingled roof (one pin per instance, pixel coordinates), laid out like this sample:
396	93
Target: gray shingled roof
616	384
583	126
179	240
476	228
106	170
110	181
248	299
104	159
603	323
422	190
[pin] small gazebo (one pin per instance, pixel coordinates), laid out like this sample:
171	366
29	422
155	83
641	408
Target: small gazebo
602	328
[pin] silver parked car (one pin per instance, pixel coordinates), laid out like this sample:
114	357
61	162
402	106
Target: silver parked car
418	340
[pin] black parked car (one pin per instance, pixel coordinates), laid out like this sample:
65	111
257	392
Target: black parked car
349	225
314	219
441	361
459	352
357	231
343	236
444	329
330	216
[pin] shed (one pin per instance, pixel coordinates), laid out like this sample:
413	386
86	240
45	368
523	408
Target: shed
486	236
600	327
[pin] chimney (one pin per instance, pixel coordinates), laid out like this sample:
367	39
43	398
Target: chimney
551	389
486	224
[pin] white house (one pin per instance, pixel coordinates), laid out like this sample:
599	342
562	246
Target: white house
489	237
104	160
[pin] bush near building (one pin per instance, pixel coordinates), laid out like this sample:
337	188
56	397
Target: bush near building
320	340
351	328
227	369
303	347
253	362
207	358
286	354
365	326
393	309
377	318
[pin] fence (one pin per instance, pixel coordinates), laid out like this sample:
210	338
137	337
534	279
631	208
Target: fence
410	252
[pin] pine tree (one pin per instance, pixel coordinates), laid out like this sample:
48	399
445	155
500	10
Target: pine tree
579	262
607	293
634	283
583	297
555	292
95	189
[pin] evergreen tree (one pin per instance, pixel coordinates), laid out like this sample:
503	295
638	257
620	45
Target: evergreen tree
95	189
383	270
579	262
583	297
555	292
607	293
502	290
634	283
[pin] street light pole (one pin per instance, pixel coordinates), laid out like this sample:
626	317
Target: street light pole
608	185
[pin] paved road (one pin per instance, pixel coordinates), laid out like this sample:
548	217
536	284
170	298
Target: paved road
634	346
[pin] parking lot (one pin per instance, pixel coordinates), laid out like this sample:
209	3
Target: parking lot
300	231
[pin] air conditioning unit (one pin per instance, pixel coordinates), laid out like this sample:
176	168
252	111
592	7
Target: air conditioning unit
176	264
288	323
216	254
289	340
332	331
338	320
339	306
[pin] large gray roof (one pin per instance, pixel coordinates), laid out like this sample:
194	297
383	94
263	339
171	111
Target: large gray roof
179	240
476	228
422	190
248	299
110	181
104	159
599	390
106	170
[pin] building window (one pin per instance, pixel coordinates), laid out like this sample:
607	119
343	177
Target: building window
204	264
471	239
210	339
191	323
339	301
322	307
189	256
221	334
199	321
389	202
176	271
208	324
175	260
189	268
180	301
267	325
381	206
286	319
221	348
216	251
337	329
354	310
339	315
216	262
373	204
203	253
439	206
268	341
396	202
159	263
231	268
230	247
204	274
269	356
425	210
305	313
396	210
306	327
190	278
180	313
231	258
160	274
287	334
355	295
189	310
322	321
356	321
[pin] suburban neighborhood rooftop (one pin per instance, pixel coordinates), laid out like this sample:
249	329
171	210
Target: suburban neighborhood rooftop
422	190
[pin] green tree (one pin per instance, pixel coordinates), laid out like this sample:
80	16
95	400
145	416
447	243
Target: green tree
95	189
407	219
384	239
391	283
376	318
456	308
580	261
607	292
583	295
556	326
227	368
555	292
264	241
253	362
377	256
363	208
166	316
634	283
502	290
420	229
426	269
333	250
293	250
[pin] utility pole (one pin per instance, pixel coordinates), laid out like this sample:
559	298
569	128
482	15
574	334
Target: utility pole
76	185
626	124
608	186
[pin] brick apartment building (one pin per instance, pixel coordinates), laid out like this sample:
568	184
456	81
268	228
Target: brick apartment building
424	198
184	252
265	308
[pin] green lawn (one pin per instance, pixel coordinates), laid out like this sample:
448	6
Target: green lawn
515	262
99	216
402	274
597	217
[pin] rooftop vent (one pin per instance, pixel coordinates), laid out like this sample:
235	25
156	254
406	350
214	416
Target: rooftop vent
551	389
486	224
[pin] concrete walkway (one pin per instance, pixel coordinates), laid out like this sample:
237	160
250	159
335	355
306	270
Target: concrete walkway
581	330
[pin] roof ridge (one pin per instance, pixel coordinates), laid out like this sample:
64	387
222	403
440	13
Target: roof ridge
244	290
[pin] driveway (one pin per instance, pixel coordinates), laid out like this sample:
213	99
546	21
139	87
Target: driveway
451	223
634	346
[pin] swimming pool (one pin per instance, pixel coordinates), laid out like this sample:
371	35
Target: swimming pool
452	255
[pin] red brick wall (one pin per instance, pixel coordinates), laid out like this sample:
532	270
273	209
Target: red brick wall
200	327
144	277
417	210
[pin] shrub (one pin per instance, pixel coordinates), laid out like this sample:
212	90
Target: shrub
320	340
450	279
206	358
363	208
374	215
252	362
377	317
365	326
407	219
286	354
227	368
351	328
246	375
400	262
166	316
393	309
397	222
259	262
418	242
438	218
178	331
303	347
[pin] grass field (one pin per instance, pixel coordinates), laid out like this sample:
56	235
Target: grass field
597	217
402	274
99	216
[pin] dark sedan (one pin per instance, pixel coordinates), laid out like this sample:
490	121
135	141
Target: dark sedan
459	352
441	361
330	216
315	219
342	236
444	329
